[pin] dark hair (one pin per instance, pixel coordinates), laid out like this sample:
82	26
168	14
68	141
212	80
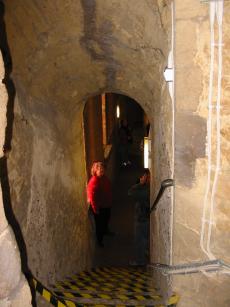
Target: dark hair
145	171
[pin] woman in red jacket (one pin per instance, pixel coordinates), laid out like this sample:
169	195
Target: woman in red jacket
100	198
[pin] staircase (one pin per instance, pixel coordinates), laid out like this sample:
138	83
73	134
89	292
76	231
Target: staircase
106	286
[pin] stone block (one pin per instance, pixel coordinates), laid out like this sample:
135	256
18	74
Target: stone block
10	264
22	298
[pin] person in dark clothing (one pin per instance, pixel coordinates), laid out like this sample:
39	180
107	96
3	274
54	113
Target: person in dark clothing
141	194
99	194
125	139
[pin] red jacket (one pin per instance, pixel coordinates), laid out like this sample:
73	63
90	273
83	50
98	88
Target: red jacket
99	193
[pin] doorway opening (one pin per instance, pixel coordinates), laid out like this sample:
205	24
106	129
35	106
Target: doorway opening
105	117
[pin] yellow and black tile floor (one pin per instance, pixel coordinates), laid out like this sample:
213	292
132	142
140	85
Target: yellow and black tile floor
107	286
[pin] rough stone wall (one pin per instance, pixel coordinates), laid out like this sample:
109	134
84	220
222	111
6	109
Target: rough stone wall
191	161
162	157
14	290
93	132
63	53
163	169
49	197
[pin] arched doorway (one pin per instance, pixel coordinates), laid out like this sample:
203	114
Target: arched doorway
103	117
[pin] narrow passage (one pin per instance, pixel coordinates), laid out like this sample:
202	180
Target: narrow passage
118	250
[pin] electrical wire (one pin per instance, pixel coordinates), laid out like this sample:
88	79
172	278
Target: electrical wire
209	126
219	13
173	136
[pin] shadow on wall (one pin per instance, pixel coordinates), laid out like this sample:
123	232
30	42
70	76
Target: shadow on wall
7	80
7	147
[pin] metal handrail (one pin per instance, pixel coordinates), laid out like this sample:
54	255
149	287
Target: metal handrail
164	184
191	267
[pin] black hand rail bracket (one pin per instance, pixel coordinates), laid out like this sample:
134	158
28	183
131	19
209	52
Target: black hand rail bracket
164	184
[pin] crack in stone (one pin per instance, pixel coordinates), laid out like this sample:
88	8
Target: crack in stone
189	228
99	41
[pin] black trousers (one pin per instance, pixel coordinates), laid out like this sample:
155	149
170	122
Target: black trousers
102	223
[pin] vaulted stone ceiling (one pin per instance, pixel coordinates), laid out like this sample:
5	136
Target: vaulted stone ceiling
65	50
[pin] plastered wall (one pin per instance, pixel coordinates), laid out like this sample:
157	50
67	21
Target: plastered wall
192	60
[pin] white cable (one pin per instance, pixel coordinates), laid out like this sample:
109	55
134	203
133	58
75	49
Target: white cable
173	137
209	126
219	10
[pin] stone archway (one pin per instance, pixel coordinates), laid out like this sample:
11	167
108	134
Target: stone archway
56	65
161	231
